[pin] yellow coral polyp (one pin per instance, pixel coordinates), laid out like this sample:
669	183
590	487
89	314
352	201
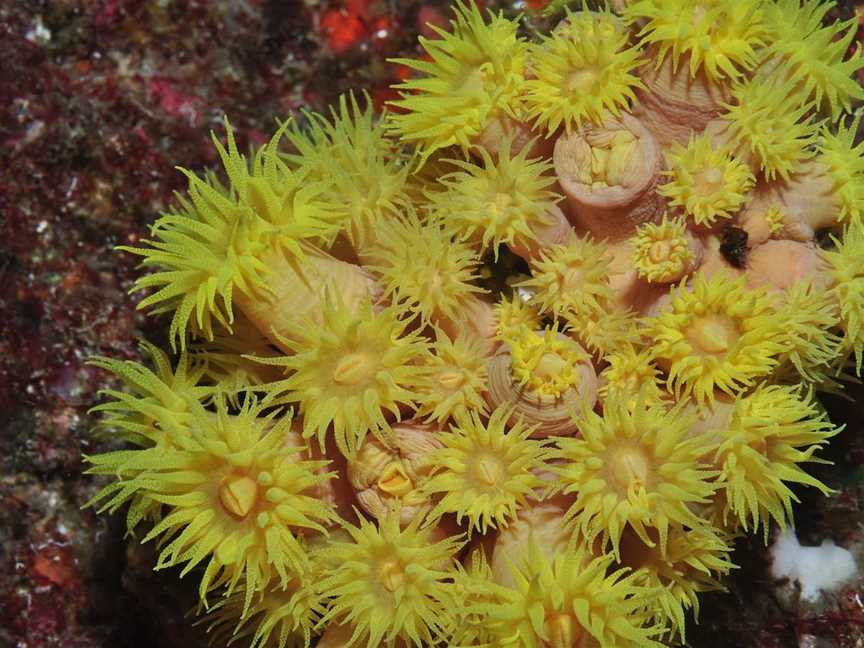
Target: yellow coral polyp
279	617
845	161
811	348
476	74
503	199
424	269
234	496
629	373
694	561
213	245
581	71
572	599
476	592
347	372
632	468
570	273
720	37
485	472
707	183
456	379
846	269
716	335
546	363
770	124
351	153
224	364
776	219
812	52
514	314
159	401
770	432
390	584
662	251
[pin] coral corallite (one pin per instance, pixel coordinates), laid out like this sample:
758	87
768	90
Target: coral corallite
512	362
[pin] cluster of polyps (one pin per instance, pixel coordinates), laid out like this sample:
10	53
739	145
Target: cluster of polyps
362	439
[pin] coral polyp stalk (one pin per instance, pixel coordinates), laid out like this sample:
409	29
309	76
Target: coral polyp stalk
609	174
805	204
673	105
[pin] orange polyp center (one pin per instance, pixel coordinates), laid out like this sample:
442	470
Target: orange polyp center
581	81
760	444
395	481
488	471
550	367
499	204
451	380
711	180
659	251
562	630
572	278
238	494
712	335
352	369
629	467
392	575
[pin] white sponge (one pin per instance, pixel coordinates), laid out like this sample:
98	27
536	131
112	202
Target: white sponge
825	567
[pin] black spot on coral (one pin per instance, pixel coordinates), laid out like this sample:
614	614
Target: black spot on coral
733	246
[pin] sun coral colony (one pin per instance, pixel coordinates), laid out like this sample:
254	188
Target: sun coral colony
370	432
